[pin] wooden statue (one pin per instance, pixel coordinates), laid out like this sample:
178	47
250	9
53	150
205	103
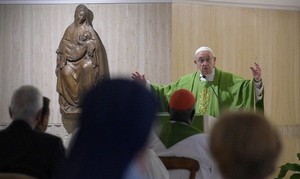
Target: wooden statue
81	64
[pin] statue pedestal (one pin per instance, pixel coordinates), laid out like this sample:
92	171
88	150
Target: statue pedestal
69	120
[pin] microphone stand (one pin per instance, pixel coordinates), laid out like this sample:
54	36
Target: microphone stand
209	83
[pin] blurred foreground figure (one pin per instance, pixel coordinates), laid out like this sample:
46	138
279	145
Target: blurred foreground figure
245	145
116	119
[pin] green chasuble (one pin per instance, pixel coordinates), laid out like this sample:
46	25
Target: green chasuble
234	93
174	132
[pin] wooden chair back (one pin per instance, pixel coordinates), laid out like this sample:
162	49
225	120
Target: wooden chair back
173	163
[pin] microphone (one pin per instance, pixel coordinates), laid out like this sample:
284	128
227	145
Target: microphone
219	100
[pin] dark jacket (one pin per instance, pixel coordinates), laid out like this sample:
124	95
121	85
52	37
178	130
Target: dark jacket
23	150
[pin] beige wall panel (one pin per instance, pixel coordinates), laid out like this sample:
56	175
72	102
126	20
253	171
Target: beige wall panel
136	37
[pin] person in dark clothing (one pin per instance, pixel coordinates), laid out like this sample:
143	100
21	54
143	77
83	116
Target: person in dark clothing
24	150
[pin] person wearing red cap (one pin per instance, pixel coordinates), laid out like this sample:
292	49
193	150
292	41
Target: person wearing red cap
214	89
178	138
182	111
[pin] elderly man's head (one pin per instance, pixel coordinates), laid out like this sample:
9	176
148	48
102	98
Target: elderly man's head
205	60
26	104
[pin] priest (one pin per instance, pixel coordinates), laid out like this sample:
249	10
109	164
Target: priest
215	90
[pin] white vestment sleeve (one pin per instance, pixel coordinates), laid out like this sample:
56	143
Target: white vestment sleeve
258	90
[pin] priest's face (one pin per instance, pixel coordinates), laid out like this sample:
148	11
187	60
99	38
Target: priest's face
205	62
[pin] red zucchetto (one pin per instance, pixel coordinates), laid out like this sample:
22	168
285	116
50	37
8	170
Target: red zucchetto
182	100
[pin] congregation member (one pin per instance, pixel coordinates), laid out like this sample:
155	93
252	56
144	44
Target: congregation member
215	90
245	145
117	116
178	138
43	123
24	150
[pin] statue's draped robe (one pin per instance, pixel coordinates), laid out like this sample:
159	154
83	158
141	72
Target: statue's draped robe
232	92
78	74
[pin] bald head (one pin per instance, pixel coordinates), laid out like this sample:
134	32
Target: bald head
26	102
